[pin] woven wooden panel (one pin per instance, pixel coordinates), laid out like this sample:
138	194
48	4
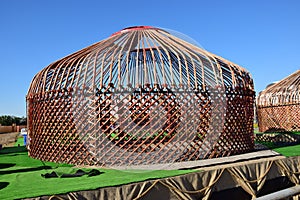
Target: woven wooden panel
279	118
144	127
278	106
140	106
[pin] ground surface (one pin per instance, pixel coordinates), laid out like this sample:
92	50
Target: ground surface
17	170
22	176
285	143
8	139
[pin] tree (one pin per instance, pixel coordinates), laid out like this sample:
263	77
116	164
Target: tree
7	120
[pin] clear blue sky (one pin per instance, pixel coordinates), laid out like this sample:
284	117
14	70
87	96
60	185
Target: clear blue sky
261	35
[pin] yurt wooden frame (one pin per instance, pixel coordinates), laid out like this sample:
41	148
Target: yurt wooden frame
278	106
142	96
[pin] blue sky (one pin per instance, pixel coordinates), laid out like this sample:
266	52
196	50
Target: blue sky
260	35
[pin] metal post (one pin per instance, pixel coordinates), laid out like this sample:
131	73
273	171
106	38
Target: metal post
281	194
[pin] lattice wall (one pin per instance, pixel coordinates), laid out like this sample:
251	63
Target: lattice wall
278	106
141	96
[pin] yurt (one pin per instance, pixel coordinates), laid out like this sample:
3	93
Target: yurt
142	96
278	106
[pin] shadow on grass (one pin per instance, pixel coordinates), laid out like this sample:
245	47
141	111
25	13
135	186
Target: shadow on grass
24	170
282	131
6	165
8	150
276	138
277	130
14	151
274	145
3	185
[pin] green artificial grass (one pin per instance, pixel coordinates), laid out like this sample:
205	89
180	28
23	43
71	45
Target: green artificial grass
289	150
283	149
20	141
20	176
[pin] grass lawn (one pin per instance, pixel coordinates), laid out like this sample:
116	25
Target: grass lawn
20	141
291	150
20	176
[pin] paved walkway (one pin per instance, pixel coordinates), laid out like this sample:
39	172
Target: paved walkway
208	164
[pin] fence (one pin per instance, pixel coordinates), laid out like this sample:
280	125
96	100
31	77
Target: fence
12	128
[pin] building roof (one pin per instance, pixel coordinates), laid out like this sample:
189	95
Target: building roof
283	92
137	56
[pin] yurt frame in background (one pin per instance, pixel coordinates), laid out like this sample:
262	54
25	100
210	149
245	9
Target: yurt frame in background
278	106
